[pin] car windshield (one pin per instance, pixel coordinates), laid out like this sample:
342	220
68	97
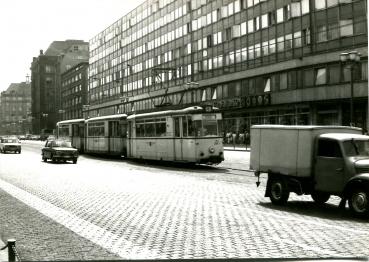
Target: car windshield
356	147
62	144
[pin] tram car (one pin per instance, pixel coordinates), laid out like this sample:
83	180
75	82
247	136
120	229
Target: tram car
106	135
74	131
186	135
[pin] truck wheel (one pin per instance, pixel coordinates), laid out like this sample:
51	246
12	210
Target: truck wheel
320	197
278	192
359	202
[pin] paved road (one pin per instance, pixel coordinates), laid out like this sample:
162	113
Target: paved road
111	209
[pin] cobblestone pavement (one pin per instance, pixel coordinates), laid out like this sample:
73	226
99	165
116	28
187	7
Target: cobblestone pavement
109	208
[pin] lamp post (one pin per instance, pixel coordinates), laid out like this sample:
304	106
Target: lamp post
351	59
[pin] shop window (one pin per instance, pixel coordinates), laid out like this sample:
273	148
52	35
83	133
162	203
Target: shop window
346	27
320	76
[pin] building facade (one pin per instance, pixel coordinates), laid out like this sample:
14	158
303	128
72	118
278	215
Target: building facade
46	70
259	61
74	91
15	109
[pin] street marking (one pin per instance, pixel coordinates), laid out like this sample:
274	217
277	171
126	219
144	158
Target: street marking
112	242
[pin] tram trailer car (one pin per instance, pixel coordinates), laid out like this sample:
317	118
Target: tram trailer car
187	135
107	135
74	131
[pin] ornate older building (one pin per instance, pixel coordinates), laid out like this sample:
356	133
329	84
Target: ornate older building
260	61
15	109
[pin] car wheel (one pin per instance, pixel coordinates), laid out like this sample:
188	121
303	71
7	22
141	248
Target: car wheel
52	158
75	161
279	193
359	202
320	197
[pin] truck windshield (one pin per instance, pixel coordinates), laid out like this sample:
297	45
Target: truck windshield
356	147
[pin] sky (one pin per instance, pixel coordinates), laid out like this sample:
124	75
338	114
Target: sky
26	26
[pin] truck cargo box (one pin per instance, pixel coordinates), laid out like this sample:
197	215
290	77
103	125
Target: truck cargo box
287	150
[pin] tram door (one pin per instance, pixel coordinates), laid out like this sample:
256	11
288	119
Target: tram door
178	142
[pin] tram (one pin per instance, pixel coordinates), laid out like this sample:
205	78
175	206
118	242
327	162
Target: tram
188	135
74	131
107	135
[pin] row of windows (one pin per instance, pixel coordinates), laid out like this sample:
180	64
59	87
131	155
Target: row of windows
72	91
330	74
72	79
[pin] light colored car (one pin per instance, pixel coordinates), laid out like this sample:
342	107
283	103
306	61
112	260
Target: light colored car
10	145
59	150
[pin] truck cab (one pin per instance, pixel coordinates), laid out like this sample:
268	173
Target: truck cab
313	160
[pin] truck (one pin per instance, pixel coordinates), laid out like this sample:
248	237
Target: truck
313	160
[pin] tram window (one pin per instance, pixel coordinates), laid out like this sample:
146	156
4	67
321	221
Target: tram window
96	129
191	129
160	128
149	129
210	128
184	126
64	131
176	127
140	131
75	130
197	125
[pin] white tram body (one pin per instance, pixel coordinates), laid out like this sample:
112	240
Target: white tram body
107	135
186	135
72	130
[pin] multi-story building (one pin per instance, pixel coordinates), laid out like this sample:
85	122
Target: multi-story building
74	91
259	61
15	109
46	81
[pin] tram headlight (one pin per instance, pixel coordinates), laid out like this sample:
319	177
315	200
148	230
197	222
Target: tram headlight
211	149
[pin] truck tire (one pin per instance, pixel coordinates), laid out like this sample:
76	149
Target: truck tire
279	193
320	197
359	202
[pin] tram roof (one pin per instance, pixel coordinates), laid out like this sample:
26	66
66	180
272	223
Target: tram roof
70	121
107	117
192	109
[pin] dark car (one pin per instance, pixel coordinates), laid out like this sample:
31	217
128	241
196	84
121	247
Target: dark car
59	150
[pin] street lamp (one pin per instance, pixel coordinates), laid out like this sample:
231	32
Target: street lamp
351	59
